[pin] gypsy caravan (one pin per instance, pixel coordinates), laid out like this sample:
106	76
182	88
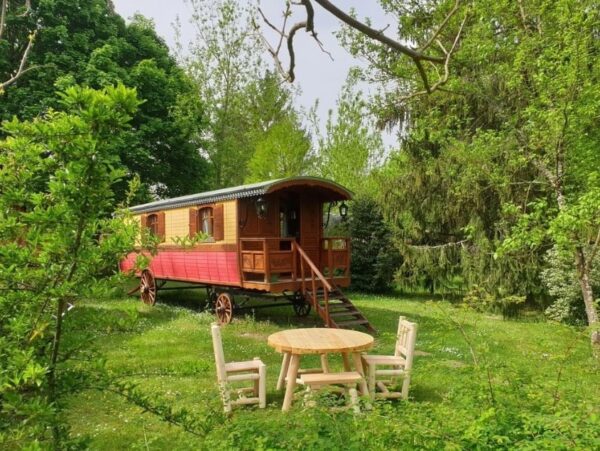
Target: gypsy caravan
262	240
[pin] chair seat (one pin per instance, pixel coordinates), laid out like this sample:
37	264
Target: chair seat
384	360
250	365
398	365
348	377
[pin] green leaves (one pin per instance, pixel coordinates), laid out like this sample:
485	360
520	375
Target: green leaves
57	175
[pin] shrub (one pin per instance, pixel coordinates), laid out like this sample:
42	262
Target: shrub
560	279
374	257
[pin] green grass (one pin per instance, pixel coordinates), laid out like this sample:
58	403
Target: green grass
542	378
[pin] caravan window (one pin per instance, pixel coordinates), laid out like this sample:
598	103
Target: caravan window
205	218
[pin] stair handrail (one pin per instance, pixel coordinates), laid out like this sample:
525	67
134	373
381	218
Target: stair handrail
304	258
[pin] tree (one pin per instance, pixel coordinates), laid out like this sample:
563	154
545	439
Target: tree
351	148
250	111
86	42
520	113
17	34
57	175
374	258
224	62
284	151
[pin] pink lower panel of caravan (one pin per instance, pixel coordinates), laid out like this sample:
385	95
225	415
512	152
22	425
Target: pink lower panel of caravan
218	267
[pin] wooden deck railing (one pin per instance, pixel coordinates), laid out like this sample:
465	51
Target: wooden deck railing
315	275
269	260
264	258
335	257
273	260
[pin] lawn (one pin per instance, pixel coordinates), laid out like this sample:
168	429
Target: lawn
479	381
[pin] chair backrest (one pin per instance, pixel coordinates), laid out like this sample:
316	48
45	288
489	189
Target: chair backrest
219	355
406	339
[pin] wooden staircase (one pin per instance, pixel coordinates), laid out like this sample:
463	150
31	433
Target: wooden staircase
327	299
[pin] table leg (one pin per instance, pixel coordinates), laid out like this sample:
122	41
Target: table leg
346	361
324	363
292	374
364	390
284	368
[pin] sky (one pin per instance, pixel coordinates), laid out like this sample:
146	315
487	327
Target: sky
317	76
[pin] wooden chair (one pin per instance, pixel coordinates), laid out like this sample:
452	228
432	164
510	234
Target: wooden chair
316	381
252	370
398	365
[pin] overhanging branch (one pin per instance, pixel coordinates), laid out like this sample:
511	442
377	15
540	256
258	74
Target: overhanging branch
418	55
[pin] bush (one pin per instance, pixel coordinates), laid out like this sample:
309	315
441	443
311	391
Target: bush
374	257
560	278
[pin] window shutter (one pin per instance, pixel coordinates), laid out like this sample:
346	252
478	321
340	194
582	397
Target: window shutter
218	223
143	221
193	222
161	226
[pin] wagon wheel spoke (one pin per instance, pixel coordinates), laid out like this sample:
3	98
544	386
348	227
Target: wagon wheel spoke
148	288
300	305
224	308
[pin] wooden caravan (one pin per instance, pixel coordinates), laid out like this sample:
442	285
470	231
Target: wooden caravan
263	239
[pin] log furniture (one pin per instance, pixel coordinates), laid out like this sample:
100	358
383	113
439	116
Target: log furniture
397	365
295	343
264	239
349	379
228	373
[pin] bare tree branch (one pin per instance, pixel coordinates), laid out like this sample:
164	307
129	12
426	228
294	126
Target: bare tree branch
417	55
290	46
289	36
441	27
444	79
21	70
376	34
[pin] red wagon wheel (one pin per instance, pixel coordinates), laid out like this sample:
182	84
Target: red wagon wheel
224	308
148	288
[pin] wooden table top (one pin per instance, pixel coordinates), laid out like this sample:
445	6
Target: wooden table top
320	341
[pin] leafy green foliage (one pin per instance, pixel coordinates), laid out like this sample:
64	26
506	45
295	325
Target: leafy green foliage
374	258
560	280
503	158
254	131
56	237
284	151
351	148
86	42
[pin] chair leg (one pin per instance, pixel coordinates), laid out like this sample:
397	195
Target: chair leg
226	396
257	382
405	386
284	368
308	397
324	363
372	388
354	399
262	386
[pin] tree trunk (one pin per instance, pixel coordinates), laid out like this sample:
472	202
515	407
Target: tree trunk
583	272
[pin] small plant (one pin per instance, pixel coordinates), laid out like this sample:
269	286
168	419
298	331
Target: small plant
187	241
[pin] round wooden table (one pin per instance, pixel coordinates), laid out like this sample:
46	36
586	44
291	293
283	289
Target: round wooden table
294	343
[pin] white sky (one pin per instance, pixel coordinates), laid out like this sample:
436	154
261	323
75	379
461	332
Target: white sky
317	75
